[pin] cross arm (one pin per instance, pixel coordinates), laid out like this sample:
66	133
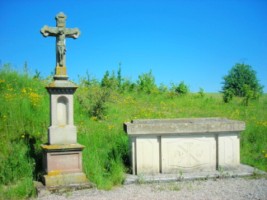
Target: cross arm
49	31
72	33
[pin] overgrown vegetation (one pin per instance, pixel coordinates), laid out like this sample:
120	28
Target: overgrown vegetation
101	107
23	122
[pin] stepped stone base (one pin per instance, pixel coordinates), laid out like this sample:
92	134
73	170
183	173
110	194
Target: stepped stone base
64	179
63	165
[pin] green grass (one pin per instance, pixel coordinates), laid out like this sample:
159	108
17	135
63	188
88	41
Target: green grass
125	107
24	120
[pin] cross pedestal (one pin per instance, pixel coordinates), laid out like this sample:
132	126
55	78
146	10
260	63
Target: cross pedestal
63	164
62	155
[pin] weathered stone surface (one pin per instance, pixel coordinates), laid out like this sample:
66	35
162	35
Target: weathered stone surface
194	125
228	149
238	171
147	156
62	129
60	159
64	179
174	145
64	84
62	134
179	153
61	106
62	147
61	33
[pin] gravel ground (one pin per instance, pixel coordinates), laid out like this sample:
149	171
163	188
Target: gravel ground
214	189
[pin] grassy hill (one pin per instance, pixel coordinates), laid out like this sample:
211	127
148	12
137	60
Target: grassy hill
101	108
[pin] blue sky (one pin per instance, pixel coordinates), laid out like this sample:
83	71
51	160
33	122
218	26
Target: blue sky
184	40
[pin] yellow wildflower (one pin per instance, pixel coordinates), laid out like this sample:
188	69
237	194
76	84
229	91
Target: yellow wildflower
9	96
23	90
4	117
94	118
110	127
262	123
34	98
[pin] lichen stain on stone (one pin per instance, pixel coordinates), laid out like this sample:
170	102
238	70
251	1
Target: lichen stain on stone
54	173
61	70
52	146
62	146
52	84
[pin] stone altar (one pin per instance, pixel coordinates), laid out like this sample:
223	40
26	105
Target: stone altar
183	145
62	155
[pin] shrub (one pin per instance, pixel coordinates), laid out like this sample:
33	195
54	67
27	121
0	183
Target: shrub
98	107
93	100
181	88
146	83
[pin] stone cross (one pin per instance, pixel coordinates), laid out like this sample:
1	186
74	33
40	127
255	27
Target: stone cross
61	33
62	155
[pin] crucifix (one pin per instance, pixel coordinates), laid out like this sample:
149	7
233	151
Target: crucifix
61	33
62	155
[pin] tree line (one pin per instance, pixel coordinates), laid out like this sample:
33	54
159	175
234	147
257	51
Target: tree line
241	81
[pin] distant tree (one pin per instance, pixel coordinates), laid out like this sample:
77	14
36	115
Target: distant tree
105	82
146	83
163	88
127	85
37	75
26	68
241	81
87	80
201	92
181	88
119	77
109	81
